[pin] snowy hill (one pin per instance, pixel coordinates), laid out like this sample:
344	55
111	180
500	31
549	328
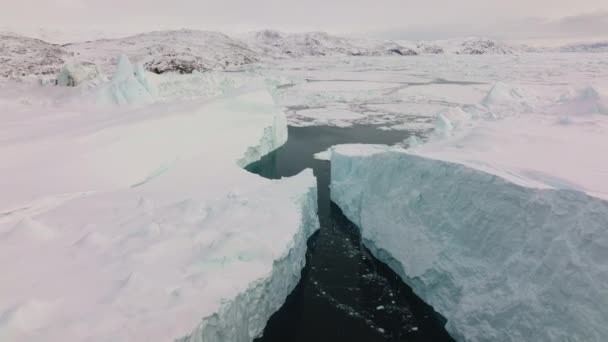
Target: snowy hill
185	51
180	51
466	46
55	36
484	46
22	56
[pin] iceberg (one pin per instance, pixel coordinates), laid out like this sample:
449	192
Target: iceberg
128	85
499	221
500	261
140	224
74	74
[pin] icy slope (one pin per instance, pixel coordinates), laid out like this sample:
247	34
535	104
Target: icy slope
138	224
180	51
500	261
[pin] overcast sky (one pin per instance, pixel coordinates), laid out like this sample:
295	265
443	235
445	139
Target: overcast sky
408	18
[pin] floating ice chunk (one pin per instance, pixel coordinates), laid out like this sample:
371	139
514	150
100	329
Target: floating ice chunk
74	74
325	155
506	100
413	141
140	74
443	126
126	87
503	94
449	120
584	101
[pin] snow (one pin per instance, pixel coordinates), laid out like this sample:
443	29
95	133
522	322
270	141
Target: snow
61	36
500	224
138	223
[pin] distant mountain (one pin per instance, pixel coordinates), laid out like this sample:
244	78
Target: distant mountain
278	44
466	46
282	45
186	51
61	36
586	47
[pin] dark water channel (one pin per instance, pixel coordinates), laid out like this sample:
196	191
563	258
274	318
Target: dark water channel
345	293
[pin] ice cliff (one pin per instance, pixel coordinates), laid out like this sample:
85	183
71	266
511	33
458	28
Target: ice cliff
500	261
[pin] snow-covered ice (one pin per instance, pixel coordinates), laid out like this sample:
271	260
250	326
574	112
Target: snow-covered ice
500	225
138	223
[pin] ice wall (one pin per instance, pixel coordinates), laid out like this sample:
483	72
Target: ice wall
500	261
244	317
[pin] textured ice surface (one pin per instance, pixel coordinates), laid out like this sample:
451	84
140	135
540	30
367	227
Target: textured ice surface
500	261
138	223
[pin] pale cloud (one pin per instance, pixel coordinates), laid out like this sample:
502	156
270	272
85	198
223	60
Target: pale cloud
589	25
339	16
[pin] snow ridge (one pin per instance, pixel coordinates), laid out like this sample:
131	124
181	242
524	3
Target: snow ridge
500	261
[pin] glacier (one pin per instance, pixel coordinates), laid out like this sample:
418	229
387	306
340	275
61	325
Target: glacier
137	222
